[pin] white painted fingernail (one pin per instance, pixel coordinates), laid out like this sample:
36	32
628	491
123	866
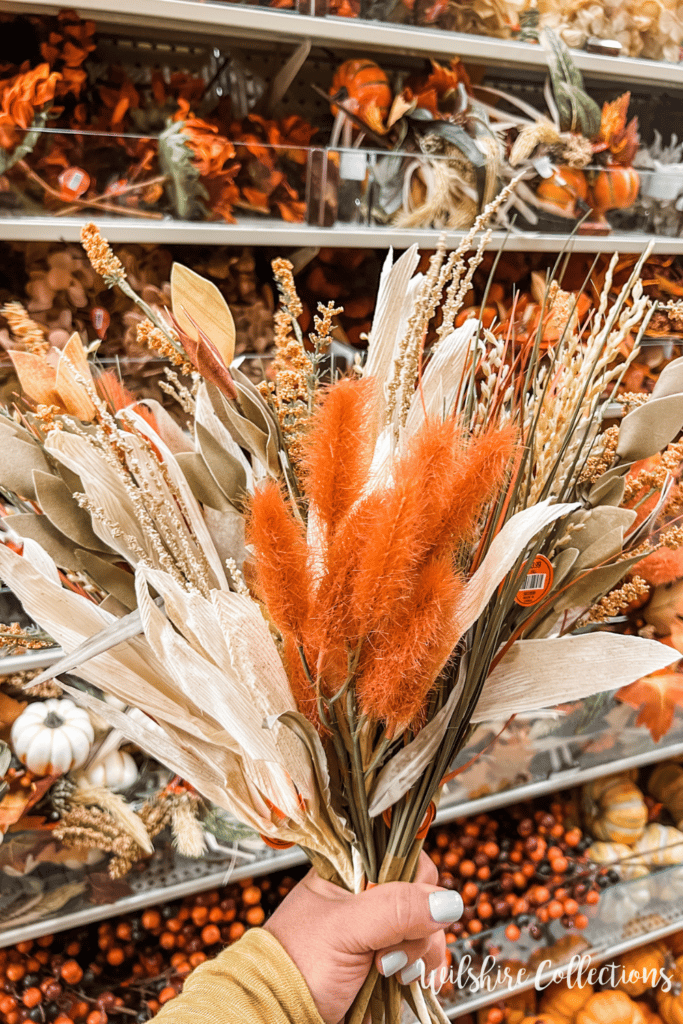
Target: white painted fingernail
445	907
393	962
412	973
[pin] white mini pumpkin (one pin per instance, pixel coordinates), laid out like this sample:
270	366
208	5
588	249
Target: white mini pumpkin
52	736
117	771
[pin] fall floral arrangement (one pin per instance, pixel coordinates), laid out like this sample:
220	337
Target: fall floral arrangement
308	597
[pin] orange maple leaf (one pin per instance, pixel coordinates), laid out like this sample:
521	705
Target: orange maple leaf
656	696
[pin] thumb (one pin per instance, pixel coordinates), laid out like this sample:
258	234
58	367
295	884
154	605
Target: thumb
394	912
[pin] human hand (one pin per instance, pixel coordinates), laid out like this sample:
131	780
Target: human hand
333	936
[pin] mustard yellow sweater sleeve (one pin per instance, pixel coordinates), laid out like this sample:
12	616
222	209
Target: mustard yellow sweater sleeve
252	980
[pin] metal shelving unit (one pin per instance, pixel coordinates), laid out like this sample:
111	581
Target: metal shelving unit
168	877
221	20
252	231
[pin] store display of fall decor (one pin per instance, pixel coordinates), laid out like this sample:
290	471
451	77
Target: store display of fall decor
487	460
79	131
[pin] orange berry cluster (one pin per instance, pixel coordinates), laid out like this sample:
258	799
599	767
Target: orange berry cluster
125	969
524	867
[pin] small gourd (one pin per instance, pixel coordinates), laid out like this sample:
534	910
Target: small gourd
666	786
670	1004
675	943
640	968
621	857
610	1008
560	193
563	1000
615	188
117	771
648	1013
615	809
518	1006
660	845
52	736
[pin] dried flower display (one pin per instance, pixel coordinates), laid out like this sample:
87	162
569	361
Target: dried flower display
367	569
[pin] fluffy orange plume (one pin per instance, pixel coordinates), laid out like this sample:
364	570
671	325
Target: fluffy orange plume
111	390
332	628
399	668
662	566
390	549
338	450
461	486
279	541
304	693
432	506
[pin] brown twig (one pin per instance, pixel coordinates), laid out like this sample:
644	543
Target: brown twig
160	178
83	203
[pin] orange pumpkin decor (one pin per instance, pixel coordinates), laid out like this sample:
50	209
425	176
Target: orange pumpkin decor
518	1006
367	87
614	188
560	193
648	1013
670	1004
612	1008
563	1000
640	968
666	786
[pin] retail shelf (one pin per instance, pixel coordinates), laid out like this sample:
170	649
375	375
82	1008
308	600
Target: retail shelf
216	20
168	877
450	810
29	661
607	937
250	231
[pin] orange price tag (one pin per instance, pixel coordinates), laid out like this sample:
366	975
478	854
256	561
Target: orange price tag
100	320
116	187
74	181
538	581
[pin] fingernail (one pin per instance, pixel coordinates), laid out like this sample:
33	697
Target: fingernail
412	973
393	962
445	907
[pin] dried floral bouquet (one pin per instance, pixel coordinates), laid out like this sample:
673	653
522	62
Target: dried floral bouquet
309	597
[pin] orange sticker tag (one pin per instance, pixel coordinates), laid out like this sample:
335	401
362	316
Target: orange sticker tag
100	320
74	181
116	187
539	580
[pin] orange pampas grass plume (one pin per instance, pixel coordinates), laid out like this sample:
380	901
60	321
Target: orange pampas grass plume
282	577
111	390
338	450
399	668
459	478
304	694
